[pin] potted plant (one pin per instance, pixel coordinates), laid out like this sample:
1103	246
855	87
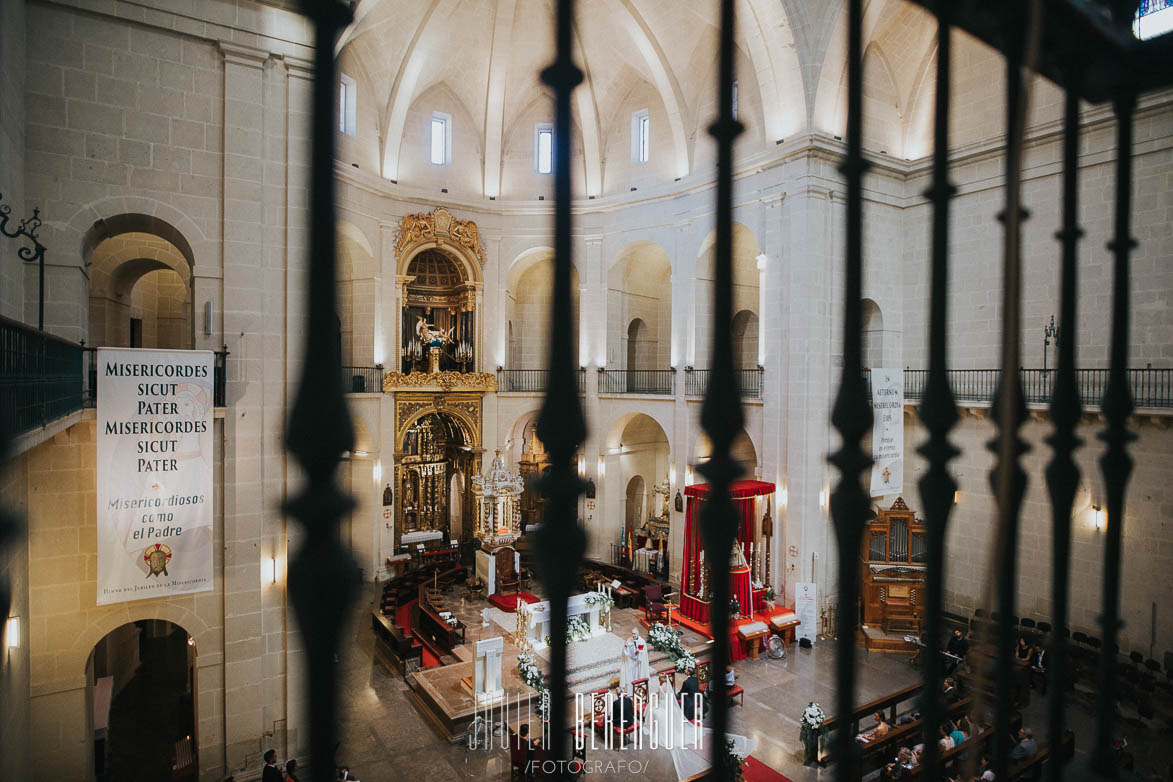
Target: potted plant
809	730
768	597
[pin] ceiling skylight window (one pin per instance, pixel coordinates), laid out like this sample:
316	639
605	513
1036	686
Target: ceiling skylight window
641	131
544	149
440	139
347	105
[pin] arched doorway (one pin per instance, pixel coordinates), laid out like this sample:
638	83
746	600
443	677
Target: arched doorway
140	285
635	504
142	680
745	340
872	351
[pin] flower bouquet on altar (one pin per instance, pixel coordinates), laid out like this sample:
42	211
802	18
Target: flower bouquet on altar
810	728
734	607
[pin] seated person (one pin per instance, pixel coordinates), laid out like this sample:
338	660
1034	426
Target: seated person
730	676
878	732
622	707
689	702
949	692
1026	748
1022	651
985	770
957	734
945	739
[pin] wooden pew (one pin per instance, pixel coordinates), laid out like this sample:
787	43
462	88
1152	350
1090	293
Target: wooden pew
889	703
877	753
975	744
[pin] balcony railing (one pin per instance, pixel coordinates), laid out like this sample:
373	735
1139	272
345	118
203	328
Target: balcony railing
749	381
1149	387
531	381
219	378
637	381
40	377
362	380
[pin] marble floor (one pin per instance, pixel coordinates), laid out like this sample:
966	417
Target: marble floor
384	736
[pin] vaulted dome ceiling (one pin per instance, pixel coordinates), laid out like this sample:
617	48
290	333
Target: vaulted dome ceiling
482	60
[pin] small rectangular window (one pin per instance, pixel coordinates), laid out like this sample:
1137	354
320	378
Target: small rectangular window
440	139
641	136
544	153
347	106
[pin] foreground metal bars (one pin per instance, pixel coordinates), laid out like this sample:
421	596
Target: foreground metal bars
1062	472
852	415
561	424
1008	478
937	410
721	414
322	587
1116	464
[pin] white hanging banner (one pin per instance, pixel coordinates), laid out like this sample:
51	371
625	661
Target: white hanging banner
887	431
807	610
154	473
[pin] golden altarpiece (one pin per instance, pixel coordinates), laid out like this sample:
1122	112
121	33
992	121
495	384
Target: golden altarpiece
438	394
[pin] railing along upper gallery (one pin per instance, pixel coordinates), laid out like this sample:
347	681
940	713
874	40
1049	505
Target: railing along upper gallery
532	381
1149	387
40	378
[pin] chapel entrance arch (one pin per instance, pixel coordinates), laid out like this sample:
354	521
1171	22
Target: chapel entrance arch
141	678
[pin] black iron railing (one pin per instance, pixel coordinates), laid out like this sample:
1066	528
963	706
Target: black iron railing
40	377
750	382
219	378
1149	387
531	381
362	380
637	381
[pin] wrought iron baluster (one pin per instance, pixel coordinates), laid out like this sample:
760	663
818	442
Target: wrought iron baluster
1116	464
1062	473
852	416
938	410
561	424
1008	478
721	413
322	585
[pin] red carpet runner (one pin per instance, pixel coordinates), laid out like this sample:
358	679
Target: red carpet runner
757	771
508	603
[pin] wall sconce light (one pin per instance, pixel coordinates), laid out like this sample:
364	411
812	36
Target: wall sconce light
672	475
269	570
377	471
581	466
190	641
783	497
957	497
1098	516
12	632
602	467
823	499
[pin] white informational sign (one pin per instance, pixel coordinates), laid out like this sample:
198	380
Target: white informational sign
807	611
154	473
887	432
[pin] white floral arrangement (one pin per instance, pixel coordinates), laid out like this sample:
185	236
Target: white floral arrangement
811	723
532	675
665	639
577	629
601	599
733	761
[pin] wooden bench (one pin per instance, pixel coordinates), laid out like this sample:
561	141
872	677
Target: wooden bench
877	753
889	703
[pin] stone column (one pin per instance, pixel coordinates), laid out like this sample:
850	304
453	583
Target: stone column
252	309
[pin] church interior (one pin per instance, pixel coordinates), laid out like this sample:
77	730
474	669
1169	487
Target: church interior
512	260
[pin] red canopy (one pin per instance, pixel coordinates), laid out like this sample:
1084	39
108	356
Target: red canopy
738	490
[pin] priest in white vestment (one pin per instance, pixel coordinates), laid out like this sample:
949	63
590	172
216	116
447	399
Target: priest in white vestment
633	665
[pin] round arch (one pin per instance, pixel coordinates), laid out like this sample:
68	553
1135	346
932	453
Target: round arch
743	450
468	427
103	625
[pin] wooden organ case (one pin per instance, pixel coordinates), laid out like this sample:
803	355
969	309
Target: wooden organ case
892	570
